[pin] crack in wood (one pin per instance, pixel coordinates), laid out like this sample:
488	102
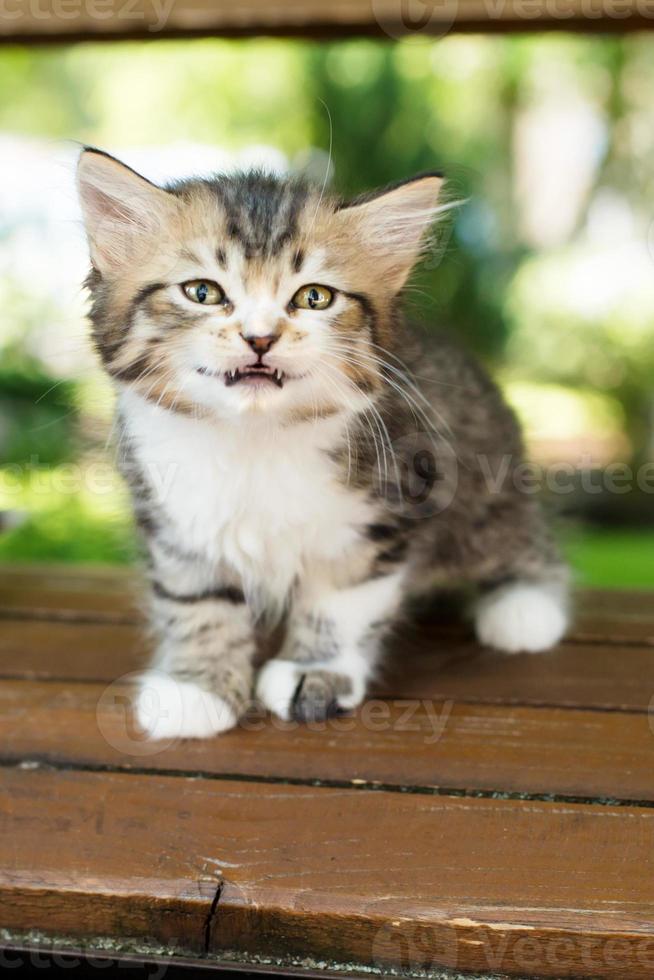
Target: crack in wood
211	917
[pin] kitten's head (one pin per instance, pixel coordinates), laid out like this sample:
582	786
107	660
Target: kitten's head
248	293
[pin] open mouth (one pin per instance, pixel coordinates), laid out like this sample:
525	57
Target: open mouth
256	375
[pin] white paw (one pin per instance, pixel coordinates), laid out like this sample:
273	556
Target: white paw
280	684
170	709
521	618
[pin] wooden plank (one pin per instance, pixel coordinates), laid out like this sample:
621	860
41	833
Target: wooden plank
72	593
424	664
77	861
332	875
52	575
89	19
610	677
614	616
599	616
403	743
88	651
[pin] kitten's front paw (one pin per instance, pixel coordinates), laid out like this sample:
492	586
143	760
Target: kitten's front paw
170	709
521	618
292	691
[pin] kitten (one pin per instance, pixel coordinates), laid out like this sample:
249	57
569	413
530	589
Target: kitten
281	457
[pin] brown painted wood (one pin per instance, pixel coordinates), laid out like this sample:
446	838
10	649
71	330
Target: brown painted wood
84	651
424	664
611	677
86	858
70	593
120	841
331	875
607	616
472	884
91	19
404	743
598	616
106	594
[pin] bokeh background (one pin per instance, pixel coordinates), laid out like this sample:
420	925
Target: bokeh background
546	270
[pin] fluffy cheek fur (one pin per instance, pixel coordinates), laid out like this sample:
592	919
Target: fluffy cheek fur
178	358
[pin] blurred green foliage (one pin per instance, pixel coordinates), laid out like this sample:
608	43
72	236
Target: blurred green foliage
68	530
38	415
372	112
611	559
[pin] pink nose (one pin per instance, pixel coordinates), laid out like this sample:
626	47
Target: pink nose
260	345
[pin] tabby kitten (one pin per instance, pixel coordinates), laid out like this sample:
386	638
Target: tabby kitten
281	456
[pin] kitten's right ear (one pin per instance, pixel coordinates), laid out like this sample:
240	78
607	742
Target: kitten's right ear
124	213
392	226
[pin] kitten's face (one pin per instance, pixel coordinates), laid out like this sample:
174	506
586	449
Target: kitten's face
247	294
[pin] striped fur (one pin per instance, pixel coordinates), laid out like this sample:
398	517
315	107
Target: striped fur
325	493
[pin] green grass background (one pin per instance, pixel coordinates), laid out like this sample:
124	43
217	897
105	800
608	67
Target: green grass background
71	530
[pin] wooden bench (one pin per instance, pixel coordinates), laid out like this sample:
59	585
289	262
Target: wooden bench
481	814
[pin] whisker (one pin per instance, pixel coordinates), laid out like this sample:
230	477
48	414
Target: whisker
329	163
384	440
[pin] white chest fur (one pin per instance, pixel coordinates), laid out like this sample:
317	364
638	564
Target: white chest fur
265	500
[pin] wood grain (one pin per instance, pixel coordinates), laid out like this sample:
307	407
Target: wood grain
423	882
611	677
70	593
474	851
413	743
92	651
608	616
423	663
331	875
311	18
92	858
116	595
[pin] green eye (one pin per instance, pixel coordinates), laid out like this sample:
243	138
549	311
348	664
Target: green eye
203	291
313	297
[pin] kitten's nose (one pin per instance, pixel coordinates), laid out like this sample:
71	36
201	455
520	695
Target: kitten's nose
260	345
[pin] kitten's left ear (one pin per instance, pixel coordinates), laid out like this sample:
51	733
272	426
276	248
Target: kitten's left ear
393	226
125	215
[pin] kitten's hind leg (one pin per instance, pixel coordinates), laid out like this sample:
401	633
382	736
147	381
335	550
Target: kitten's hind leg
333	645
523	615
523	599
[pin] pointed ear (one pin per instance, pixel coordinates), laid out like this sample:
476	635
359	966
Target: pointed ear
124	214
393	225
